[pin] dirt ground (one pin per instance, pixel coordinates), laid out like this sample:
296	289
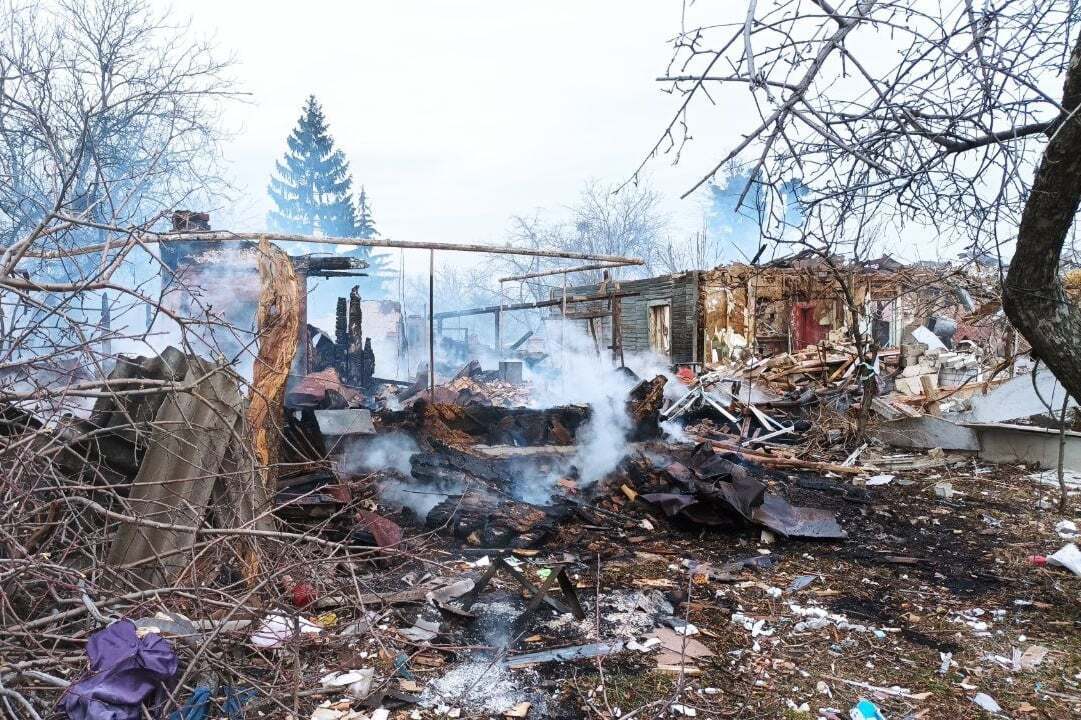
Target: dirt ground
928	603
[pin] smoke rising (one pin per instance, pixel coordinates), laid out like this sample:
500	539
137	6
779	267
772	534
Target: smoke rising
392	452
578	375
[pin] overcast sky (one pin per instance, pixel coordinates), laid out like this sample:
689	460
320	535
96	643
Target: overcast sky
457	115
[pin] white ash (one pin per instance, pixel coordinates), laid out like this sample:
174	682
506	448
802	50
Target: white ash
625	613
479	686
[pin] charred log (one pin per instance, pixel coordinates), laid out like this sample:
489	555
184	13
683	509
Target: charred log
644	406
491	425
489	520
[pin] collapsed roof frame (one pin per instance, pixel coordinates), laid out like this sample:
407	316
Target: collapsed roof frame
189	234
218	236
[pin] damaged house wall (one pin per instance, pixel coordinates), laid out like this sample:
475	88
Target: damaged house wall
660	315
720	315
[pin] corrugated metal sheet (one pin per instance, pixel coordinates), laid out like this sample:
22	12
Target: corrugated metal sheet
188	446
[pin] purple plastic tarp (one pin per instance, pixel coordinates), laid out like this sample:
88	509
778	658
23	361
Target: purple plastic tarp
126	672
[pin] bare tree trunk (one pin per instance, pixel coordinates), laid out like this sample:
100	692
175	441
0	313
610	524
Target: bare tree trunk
1063	498
1033	296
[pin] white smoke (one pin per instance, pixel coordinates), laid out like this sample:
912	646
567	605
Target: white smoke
392	451
578	375
381	452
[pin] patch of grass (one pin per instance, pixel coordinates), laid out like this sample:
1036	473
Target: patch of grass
629	689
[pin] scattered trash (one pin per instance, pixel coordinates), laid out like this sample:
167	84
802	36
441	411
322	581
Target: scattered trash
1033	657
1066	529
986	702
865	710
947	659
421	631
276	630
880	480
357	682
644	646
801	582
1069	557
579	652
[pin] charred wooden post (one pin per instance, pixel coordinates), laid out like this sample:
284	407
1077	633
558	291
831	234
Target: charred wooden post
367	364
644	407
341	334
177	254
355	342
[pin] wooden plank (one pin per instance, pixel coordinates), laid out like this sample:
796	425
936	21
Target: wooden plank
930	393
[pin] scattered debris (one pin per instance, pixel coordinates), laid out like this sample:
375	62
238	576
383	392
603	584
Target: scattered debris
1069	557
986	702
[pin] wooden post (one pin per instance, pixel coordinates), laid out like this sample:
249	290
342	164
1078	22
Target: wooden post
617	332
498	316
355	332
431	325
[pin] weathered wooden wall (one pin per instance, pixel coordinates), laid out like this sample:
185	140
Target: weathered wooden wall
679	290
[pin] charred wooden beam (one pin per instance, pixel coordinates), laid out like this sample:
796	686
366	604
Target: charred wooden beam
354	362
644	406
494	521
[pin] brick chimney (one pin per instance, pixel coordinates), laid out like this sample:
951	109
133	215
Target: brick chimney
190	221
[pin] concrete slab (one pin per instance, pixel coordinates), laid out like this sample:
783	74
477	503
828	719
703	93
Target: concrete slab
1005	443
928	432
1015	399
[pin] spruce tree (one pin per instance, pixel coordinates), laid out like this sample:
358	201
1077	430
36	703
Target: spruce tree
313	187
381	273
365	222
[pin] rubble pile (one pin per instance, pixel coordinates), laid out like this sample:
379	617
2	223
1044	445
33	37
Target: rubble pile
690	547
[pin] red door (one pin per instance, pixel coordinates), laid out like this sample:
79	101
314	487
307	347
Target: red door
808	330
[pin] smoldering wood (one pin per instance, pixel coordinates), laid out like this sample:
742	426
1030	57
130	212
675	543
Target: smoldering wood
355	342
644	406
448	466
496	521
493	425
